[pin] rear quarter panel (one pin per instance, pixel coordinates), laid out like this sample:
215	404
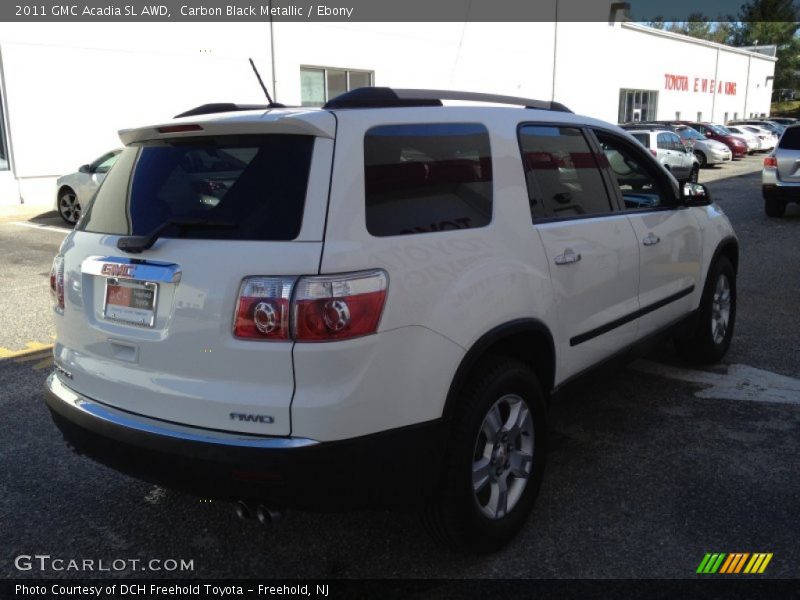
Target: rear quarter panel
446	289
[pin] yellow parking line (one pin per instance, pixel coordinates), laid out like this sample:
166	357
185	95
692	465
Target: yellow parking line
38	355
31	347
43	364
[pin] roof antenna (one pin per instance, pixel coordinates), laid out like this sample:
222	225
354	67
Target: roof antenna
263	87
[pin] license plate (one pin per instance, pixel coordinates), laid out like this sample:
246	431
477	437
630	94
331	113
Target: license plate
130	301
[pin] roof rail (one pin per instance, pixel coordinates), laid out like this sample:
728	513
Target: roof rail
218	107
384	97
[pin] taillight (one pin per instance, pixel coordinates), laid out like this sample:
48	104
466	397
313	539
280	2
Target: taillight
57	283
654	152
262	309
336	307
770	162
311	308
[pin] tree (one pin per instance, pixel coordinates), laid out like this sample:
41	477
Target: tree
766	22
759	23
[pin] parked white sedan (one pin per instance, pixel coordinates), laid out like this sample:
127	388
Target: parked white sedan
75	189
748	137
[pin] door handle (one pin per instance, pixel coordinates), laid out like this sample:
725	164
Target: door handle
651	239
569	257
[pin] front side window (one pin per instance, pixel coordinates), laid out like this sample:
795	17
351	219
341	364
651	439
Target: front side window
423	178
675	143
105	162
634	174
242	187
562	173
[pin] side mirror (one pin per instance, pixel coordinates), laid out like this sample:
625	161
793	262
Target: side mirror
695	194
85	169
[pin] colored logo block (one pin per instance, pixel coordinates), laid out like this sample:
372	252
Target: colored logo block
734	563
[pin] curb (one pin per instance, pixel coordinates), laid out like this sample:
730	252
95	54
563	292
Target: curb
33	350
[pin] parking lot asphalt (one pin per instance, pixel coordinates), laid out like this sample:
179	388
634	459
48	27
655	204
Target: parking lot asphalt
651	465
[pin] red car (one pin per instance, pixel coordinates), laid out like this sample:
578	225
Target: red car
711	131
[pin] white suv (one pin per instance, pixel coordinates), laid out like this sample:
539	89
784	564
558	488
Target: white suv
371	302
668	148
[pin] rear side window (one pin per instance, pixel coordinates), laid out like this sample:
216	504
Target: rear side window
562	173
423	178
254	184
790	139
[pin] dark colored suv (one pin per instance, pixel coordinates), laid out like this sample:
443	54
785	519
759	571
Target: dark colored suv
738	147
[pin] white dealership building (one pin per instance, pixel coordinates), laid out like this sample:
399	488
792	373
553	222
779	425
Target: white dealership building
68	87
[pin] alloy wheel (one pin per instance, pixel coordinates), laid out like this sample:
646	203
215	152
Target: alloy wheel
720	309
503	456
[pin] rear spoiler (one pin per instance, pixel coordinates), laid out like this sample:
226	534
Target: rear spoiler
292	122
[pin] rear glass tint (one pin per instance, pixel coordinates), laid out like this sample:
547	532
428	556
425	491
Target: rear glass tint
644	138
790	139
427	177
256	183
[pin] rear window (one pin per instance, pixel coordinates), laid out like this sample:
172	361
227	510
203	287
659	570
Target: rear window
423	178
255	183
643	138
790	139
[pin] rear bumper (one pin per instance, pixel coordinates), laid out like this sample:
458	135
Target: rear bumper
393	468
781	191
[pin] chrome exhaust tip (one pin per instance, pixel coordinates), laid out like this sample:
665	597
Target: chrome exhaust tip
268	516
243	510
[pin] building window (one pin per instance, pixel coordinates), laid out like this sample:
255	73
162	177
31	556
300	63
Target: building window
320	84
637	105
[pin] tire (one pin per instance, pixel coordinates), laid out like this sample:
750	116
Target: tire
774	207
694	174
710	334
491	449
701	158
68	205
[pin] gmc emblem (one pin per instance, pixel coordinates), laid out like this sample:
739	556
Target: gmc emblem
118	270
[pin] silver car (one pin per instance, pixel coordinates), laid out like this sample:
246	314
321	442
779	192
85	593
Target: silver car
780	177
670	151
708	152
752	139
73	191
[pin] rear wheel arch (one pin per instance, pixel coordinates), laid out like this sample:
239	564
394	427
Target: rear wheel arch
526	340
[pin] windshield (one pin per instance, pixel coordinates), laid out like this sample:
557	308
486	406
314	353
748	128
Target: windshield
256	183
774	127
688	133
716	129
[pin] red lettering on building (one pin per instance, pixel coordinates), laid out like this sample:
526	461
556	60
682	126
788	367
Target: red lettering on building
680	83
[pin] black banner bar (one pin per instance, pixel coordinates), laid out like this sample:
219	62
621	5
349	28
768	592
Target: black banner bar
368	10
